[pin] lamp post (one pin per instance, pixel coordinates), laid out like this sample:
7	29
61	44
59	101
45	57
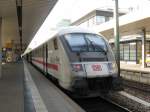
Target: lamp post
116	35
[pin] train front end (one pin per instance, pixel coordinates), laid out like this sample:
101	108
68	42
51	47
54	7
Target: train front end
92	64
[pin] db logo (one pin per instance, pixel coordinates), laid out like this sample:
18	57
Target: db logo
96	68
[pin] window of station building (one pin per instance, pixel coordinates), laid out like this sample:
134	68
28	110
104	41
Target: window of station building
121	52
132	51
139	51
108	18
55	44
100	19
126	52
148	47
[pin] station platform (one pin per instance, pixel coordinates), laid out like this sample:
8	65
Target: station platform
24	89
11	88
135	73
135	67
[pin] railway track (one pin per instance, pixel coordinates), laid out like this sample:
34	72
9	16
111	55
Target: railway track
136	89
96	104
119	106
136	85
100	104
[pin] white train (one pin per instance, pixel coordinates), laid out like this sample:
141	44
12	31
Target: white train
80	60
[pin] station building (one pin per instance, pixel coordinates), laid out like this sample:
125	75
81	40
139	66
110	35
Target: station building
96	17
134	29
130	42
131	49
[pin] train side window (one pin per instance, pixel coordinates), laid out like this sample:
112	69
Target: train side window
55	44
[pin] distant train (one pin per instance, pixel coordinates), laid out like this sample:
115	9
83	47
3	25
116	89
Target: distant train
80	60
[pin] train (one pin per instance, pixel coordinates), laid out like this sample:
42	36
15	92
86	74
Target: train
79	59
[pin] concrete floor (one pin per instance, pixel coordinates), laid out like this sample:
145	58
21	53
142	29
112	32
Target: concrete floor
53	98
11	88
24	89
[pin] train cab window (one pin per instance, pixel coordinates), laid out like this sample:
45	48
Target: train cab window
96	43
79	42
76	42
55	44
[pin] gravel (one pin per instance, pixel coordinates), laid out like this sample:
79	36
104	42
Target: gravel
127	103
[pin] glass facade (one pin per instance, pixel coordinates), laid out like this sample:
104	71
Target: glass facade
131	50
100	19
148	46
95	20
126	51
121	52
139	51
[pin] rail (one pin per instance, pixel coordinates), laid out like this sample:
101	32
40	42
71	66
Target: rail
116	104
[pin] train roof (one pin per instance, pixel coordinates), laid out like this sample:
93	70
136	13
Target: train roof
66	30
74	29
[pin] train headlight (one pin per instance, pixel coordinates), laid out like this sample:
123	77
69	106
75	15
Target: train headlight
112	67
77	67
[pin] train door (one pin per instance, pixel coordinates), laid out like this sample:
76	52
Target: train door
30	57
45	59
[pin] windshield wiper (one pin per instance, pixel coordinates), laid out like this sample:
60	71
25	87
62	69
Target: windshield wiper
78	53
94	45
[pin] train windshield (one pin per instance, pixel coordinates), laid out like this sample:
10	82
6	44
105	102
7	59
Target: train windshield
86	42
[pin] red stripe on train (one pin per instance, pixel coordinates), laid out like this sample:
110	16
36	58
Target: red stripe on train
38	61
52	66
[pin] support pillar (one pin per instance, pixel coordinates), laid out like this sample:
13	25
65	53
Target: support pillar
0	48
143	48
116	35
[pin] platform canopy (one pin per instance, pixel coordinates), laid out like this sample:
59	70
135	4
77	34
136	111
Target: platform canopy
131	23
32	16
